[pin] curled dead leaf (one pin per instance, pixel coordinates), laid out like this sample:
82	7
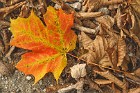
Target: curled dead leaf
135	19
78	71
121	51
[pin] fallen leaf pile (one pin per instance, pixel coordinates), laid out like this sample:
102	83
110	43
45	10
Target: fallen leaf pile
115	47
48	44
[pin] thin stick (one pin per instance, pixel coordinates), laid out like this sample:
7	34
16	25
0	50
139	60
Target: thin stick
110	2
89	15
85	29
10	51
11	8
5	23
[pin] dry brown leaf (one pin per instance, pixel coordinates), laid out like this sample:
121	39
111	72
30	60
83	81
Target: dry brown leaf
70	1
102	81
134	78
120	18
113	56
104	50
3	69
93	5
135	18
88	23
134	90
106	20
137	72
96	50
112	78
121	51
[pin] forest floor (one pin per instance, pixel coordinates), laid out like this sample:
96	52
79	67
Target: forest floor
107	54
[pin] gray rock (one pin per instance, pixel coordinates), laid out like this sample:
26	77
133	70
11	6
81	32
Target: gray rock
28	77
57	6
104	10
76	5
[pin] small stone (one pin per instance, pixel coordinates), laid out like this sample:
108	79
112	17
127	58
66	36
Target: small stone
28	77
57	6
51	85
13	84
12	92
34	88
2	78
80	1
76	6
40	82
6	87
44	90
5	78
104	10
6	82
130	54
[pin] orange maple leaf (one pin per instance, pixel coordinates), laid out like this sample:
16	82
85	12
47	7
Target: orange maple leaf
49	44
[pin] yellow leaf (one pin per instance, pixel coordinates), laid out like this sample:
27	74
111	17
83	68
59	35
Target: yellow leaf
48	43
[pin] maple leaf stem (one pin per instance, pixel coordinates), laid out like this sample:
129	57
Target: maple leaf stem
125	73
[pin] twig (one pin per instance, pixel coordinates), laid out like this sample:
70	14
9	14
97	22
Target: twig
78	86
89	15
89	23
5	37
42	5
111	2
5	23
87	30
111	77
10	51
9	9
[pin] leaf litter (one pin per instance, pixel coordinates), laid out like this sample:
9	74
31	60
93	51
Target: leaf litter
108	43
